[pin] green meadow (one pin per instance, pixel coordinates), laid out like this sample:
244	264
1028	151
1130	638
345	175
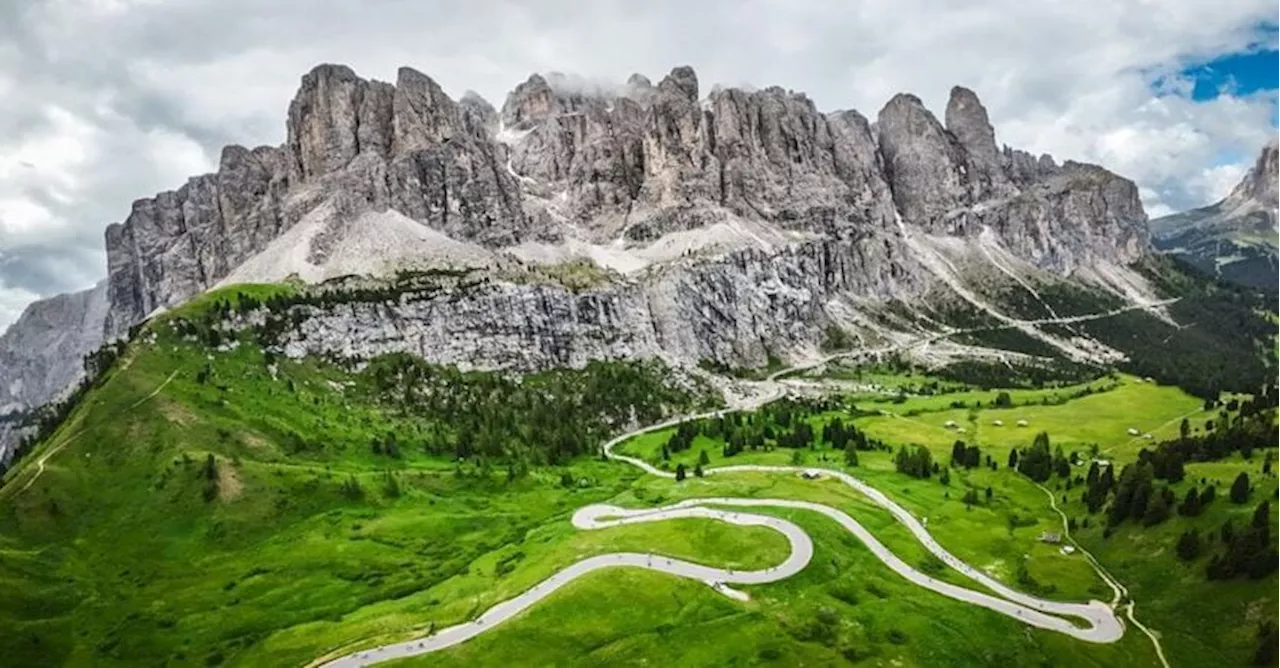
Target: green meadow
205	508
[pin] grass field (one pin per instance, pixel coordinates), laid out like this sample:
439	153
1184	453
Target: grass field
113	557
846	606
1103	418
1205	623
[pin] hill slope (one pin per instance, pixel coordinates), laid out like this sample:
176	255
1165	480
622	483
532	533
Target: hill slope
1235	239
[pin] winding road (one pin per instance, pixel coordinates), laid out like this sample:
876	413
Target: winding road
1095	621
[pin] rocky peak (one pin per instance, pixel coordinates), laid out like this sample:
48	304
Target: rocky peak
531	102
682	81
922	161
423	116
967	121
638	80
1260	184
322	131
479	117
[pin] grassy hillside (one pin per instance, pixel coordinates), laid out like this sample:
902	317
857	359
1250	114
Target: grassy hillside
209	503
1202	622
202	505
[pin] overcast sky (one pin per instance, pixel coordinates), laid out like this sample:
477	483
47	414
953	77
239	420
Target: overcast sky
106	101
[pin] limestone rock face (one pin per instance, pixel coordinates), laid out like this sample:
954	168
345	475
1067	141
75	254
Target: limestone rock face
953	181
738	310
355	144
42	353
612	164
1260	183
566	163
1236	238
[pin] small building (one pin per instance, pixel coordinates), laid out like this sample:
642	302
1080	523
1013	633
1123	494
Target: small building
1050	537
1067	549
960	430
1022	423
811	474
949	424
1148	436
998	423
1133	432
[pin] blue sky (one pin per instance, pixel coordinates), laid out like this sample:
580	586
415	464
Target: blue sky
1239	73
126	110
1256	70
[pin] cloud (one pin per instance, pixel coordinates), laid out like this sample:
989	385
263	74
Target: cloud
124	98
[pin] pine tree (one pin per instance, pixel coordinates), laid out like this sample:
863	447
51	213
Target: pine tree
945	478
1188	547
1190	506
1240	488
679	472
1157	510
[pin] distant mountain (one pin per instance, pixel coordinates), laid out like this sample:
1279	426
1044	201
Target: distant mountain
729	227
1236	238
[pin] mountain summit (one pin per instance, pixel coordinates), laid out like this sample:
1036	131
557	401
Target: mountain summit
729	226
1235	238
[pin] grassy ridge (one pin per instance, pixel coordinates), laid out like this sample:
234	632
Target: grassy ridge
302	540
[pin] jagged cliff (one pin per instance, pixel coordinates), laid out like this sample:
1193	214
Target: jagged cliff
742	222
41	355
1235	238
629	164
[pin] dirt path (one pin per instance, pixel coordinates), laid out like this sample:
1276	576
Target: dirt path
40	463
1119	589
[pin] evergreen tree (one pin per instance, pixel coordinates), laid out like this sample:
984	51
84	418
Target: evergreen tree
1188	547
1190	506
945	478
679	472
1157	511
703	459
1240	488
1037	462
1268	644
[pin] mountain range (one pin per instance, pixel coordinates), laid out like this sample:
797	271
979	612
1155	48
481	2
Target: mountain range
1236	238
727	229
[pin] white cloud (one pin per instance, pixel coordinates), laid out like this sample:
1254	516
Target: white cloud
146	93
13	301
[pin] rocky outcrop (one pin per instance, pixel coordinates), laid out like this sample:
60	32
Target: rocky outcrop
1236	238
953	181
42	353
631	162
354	145
840	200
737	310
